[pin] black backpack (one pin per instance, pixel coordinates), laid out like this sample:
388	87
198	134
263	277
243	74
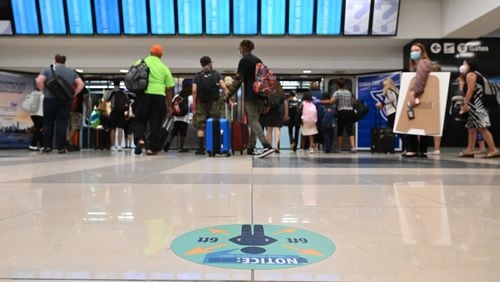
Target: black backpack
120	101
59	87
180	105
208	86
136	80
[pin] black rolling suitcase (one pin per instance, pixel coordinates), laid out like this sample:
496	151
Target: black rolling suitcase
382	140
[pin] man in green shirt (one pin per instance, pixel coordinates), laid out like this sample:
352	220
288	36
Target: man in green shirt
152	104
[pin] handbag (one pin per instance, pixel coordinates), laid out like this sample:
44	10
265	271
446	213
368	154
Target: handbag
168	123
360	110
31	102
59	87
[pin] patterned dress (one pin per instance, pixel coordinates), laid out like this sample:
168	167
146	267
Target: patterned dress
478	114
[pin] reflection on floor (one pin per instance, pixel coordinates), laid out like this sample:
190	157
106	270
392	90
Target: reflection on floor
112	216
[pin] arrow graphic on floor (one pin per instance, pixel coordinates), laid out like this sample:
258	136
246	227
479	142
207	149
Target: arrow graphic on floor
200	250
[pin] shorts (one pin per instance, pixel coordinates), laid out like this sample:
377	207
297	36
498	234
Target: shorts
207	110
117	119
75	120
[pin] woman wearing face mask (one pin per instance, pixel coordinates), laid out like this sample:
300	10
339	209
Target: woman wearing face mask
422	65
478	119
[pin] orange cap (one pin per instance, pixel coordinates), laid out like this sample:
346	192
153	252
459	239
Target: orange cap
156	50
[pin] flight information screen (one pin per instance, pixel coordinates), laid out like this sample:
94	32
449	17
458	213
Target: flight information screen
189	15
52	15
272	17
134	17
300	17
79	16
357	17
25	17
107	17
245	17
162	16
217	17
329	17
385	17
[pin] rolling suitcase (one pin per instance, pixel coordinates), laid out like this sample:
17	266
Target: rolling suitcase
239	136
382	140
218	137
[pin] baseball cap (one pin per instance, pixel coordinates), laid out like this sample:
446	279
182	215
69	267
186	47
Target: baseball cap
205	60
156	50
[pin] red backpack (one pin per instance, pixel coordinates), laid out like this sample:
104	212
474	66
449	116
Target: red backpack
265	83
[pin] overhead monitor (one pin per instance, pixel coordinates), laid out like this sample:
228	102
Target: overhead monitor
217	17
107	17
385	17
52	15
300	17
25	17
134	17
357	17
80	16
189	17
162	17
245	17
272	17
329	17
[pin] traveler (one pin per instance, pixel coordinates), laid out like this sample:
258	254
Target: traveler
254	105
309	118
181	120
422	65
76	118
344	100
37	118
151	106
207	101
390	102
273	120
55	110
293	120
119	111
478	119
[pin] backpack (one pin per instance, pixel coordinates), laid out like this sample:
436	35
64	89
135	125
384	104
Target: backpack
309	113
180	104
136	80
59	87
120	101
95	118
265	81
208	86
31	102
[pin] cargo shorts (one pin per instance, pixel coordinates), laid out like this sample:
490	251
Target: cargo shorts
204	111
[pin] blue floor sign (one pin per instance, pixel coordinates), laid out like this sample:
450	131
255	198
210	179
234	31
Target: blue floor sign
246	246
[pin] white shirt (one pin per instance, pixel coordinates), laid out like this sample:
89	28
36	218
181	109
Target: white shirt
390	102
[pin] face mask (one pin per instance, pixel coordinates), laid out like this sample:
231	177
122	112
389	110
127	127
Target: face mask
463	69
415	55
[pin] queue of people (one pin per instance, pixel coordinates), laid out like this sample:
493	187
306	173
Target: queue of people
314	116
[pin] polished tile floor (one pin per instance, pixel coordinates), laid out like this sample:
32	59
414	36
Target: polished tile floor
112	216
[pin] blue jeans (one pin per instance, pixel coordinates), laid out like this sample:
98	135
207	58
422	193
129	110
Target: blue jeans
55	114
328	139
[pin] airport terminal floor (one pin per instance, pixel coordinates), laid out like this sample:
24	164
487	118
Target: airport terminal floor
114	216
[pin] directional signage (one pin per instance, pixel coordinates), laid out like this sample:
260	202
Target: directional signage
247	246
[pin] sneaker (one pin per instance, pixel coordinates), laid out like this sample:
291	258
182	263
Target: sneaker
33	148
353	150
119	148
311	151
61	151
435	152
264	153
251	151
47	150
138	147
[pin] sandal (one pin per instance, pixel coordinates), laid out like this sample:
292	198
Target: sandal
492	155
465	154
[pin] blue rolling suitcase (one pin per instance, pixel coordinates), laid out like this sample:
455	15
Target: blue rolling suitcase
218	137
